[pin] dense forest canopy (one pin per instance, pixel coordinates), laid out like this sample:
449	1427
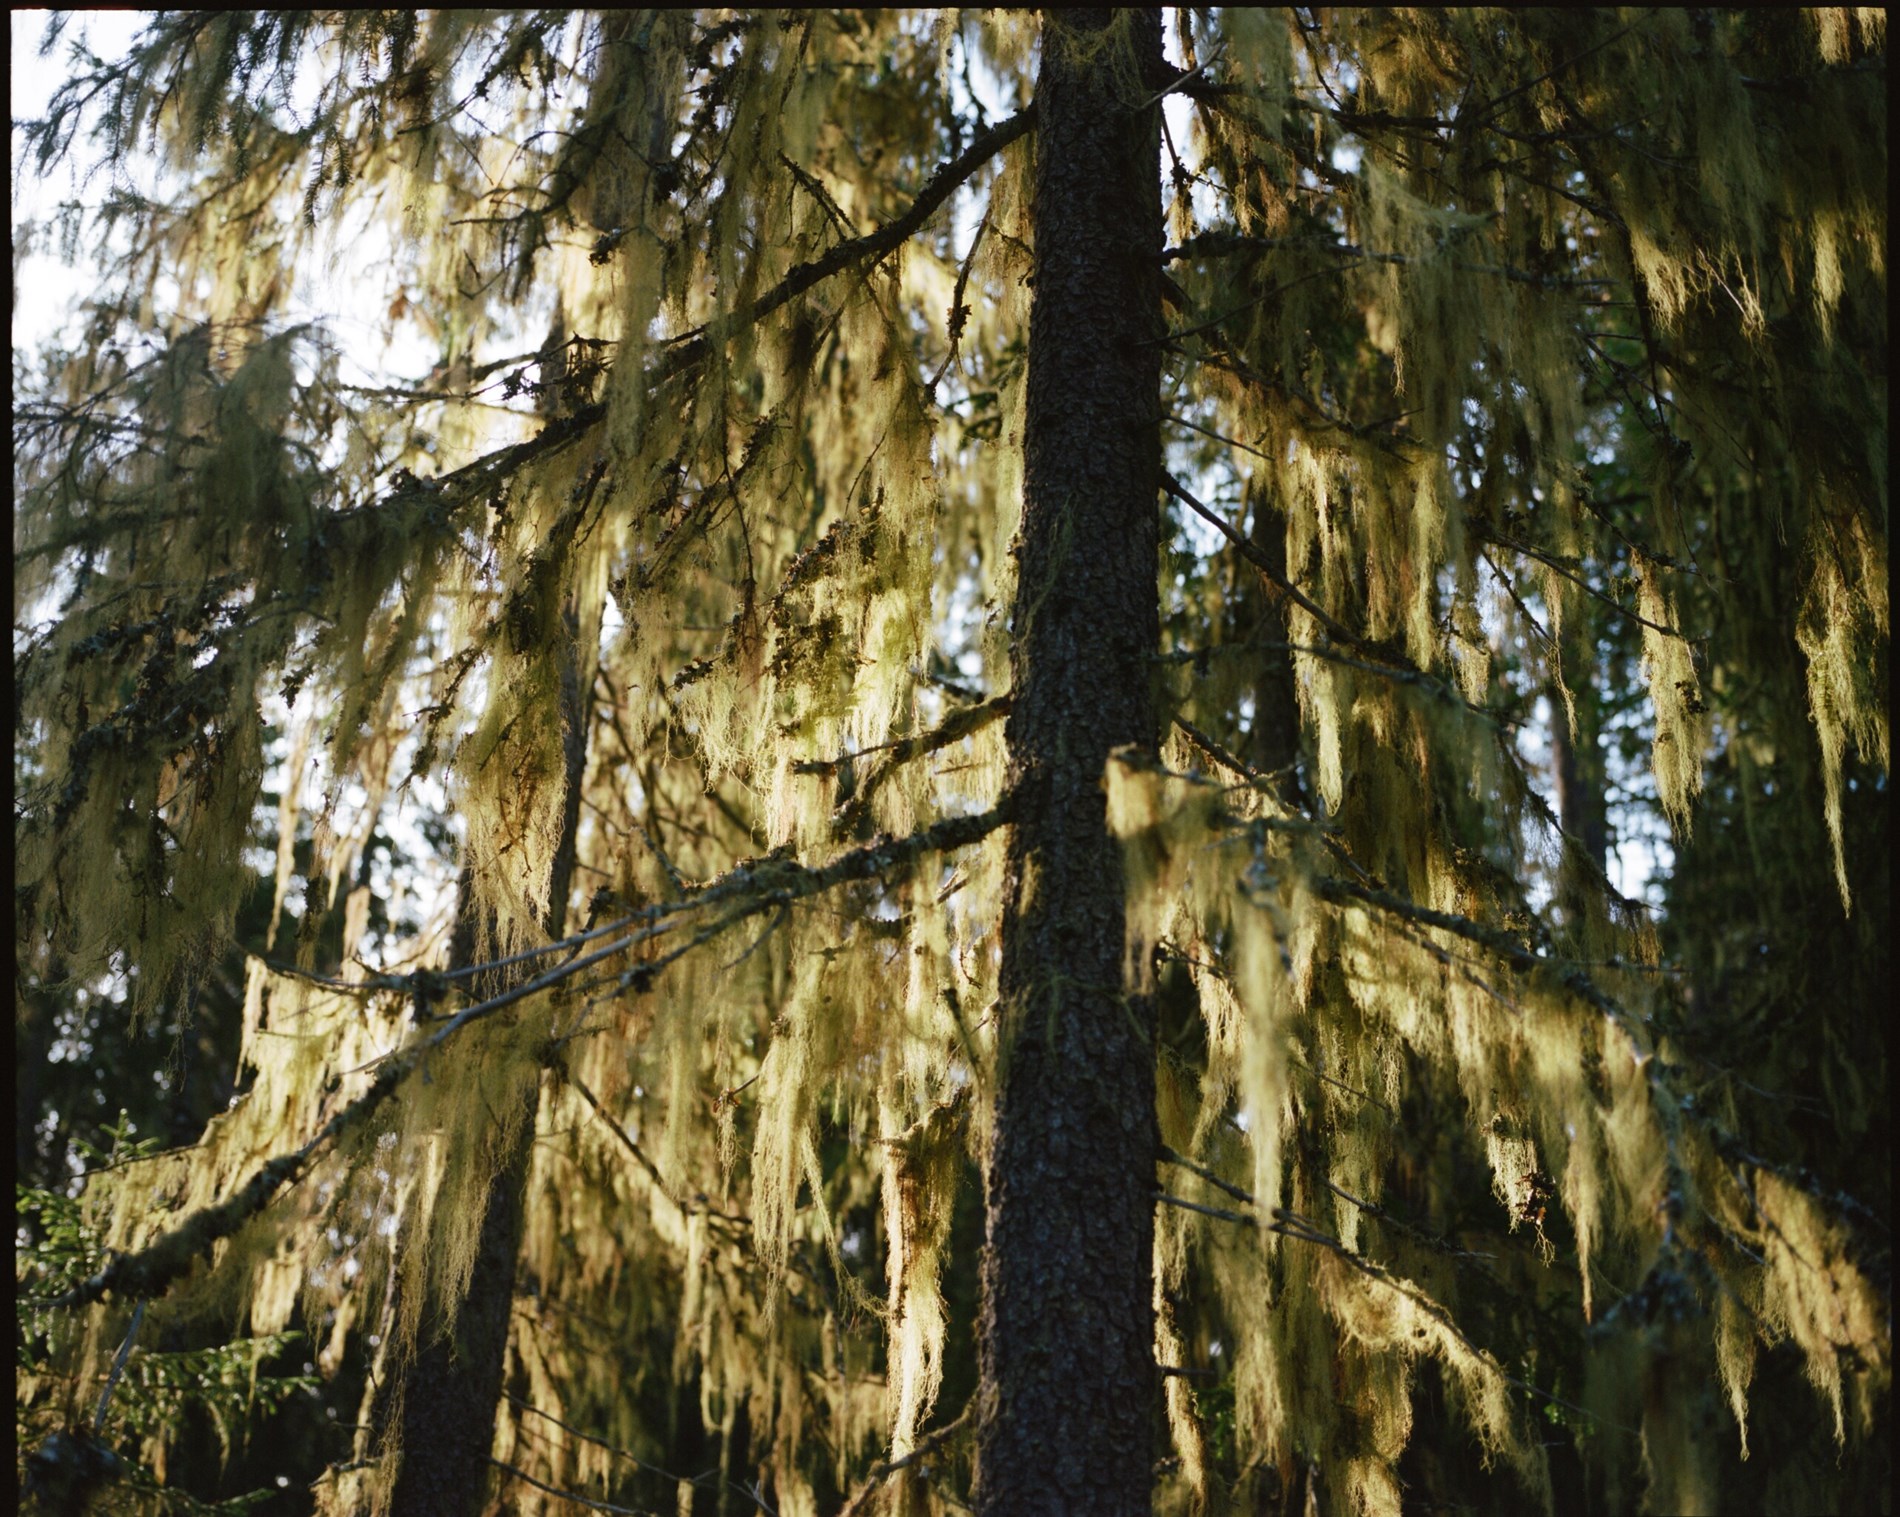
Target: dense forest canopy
899	772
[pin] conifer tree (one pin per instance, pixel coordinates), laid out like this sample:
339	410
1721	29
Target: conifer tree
982	685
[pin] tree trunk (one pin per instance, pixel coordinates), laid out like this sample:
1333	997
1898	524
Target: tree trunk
450	1391
1579	773
1273	738
452	1387
1067	1399
1582	806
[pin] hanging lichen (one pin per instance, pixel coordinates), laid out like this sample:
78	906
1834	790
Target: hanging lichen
1522	370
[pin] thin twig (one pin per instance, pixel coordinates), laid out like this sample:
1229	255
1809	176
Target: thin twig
1186	79
957	726
1254	556
1219	244
1209	1211
693	346
1169	1156
118	1367
1516	599
959	312
476	481
1290	1224
567	1427
1550	561
1232	442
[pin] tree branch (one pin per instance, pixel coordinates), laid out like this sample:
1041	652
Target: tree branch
958	725
1206	1211
1258	559
758	886
926	1445
476	480
1387	664
1220	244
870	247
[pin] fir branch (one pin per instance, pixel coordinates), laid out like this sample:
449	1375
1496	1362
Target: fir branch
923	1448
1404	676
1386	664
1660	1076
869	248
959	313
709	1479
1232	442
1169	1156
957	726
1480	116
1222	756
1501	943
1558	566
1185	82
479	479
156	1267
1517	600
1430	1239
647	1166
755	887
601	1443
1290	1224
1338	1084
1258	559
1206	1211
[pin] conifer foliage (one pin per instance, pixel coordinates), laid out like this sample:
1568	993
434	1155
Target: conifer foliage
980	610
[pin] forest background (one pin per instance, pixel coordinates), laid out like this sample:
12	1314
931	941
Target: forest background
566	898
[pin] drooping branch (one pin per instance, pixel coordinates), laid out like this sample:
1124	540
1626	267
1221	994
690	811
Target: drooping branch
1558	565
958	724
574	1496
925	1446
758	886
1247	550
1387	662
1663	1077
694	345
1290	1224
955	727
478	479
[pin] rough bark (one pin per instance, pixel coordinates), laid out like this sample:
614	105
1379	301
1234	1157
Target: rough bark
1068	1392
34	1031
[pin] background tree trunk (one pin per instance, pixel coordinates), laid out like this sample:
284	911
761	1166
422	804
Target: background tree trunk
451	1389
1273	738
1582	801
1067	1398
